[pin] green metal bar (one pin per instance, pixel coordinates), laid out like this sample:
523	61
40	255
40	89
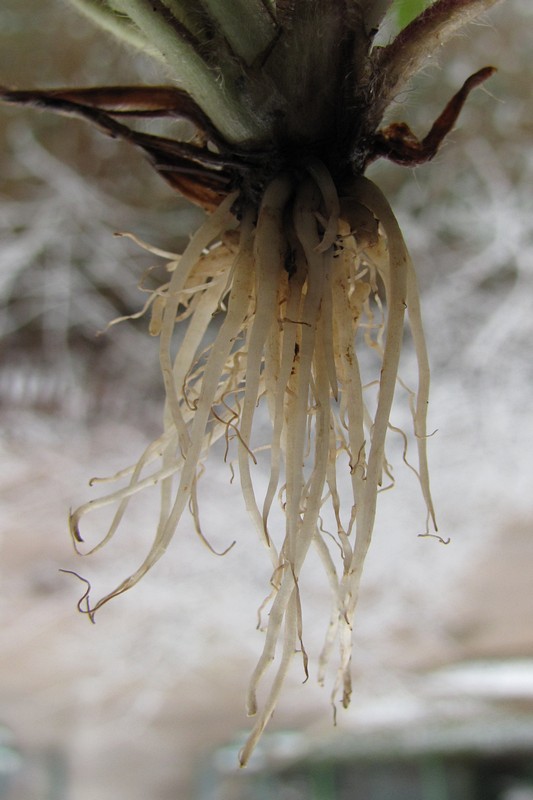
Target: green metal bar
433	779
323	782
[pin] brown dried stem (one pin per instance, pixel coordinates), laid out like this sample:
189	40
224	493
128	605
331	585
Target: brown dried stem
396	64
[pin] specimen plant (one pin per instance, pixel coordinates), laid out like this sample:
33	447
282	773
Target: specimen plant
301	257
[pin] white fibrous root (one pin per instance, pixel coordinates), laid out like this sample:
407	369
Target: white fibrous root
306	282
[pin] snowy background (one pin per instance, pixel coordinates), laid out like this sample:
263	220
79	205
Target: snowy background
134	706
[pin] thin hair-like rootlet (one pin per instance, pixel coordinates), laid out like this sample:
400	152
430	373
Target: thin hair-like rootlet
302	283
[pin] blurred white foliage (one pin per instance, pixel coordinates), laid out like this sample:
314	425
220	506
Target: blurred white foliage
191	624
63	278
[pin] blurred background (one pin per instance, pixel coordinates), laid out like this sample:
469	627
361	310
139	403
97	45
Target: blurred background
149	702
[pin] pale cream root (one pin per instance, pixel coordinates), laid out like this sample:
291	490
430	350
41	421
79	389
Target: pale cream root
308	280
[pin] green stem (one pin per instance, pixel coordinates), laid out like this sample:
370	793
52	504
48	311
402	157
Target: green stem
193	15
119	26
215	90
407	10
248	26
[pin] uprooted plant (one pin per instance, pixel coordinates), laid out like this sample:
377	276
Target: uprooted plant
303	257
